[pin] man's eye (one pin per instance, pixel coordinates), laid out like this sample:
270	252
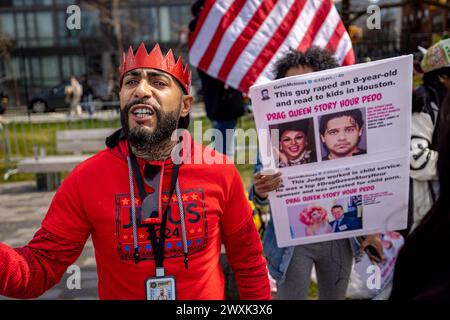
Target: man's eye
159	83
332	132
350	129
131	82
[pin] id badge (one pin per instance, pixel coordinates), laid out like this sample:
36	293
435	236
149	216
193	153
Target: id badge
160	288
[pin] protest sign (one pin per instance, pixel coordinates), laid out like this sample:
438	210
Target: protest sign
340	137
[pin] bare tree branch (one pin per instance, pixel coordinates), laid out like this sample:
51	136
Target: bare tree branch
6	45
357	14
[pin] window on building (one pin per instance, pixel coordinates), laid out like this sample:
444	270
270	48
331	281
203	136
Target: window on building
31	29
164	24
44	26
154	22
176	23
78	65
185	15
34	71
66	65
146	25
14	68
66	37
44	2
18	3
64	1
50	71
72	64
2	68
40	72
21	36
179	19
90	23
437	23
17	67
7	25
94	64
126	19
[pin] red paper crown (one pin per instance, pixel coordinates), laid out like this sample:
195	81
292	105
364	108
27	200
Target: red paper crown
156	60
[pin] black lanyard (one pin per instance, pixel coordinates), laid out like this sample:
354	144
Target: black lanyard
158	246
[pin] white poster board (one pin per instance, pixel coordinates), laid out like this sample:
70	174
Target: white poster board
340	137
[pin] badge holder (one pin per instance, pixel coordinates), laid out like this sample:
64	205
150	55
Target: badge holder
161	287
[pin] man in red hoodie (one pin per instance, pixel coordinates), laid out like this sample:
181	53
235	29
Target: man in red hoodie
157	222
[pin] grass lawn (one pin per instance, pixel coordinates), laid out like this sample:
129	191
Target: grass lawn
24	137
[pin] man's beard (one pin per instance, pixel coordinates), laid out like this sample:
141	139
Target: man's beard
155	145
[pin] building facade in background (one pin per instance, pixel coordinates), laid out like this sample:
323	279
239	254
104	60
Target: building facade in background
404	26
424	23
45	52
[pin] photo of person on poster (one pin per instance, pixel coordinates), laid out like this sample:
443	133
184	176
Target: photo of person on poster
342	134
296	143
343	221
265	95
315	218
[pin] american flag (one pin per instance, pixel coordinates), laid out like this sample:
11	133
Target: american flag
238	41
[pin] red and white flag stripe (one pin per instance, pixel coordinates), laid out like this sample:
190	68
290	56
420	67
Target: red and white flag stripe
239	41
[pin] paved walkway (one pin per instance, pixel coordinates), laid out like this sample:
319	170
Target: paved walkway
21	212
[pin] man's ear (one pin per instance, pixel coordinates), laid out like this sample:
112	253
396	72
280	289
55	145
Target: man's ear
186	104
322	138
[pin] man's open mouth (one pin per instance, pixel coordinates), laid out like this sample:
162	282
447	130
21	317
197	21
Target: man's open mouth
142	112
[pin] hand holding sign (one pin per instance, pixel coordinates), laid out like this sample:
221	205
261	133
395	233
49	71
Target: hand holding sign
267	181
373	247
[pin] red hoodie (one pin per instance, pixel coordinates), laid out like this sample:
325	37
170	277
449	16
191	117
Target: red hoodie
95	200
